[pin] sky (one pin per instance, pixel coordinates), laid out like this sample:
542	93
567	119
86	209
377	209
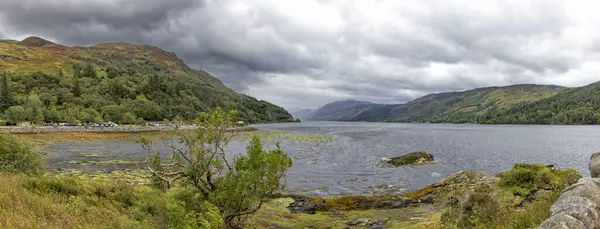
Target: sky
304	54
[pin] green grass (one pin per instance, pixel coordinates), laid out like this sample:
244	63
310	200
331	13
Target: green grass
64	202
73	199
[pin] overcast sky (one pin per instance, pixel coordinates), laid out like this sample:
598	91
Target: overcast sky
303	54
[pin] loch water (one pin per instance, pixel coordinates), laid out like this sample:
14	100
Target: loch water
348	163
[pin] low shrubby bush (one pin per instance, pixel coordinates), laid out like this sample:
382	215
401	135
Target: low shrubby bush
17	156
521	198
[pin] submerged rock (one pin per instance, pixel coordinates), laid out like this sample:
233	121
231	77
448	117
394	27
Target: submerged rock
411	159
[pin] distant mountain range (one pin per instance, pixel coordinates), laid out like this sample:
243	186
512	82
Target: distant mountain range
515	104
304	114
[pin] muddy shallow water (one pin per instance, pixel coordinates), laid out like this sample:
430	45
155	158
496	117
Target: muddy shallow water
346	165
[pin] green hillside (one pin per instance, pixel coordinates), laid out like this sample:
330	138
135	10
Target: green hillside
451	107
119	82
573	106
461	107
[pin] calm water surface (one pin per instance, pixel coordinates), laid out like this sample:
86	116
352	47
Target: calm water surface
347	164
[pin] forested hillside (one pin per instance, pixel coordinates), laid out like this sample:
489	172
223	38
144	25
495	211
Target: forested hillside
451	107
465	107
573	106
119	82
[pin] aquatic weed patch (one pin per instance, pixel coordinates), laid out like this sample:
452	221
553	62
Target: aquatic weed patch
104	162
131	176
285	137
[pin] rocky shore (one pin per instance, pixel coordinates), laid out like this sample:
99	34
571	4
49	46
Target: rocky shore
519	197
578	205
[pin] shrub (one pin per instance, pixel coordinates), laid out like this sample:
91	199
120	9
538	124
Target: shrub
129	118
481	207
180	214
525	179
237	187
521	198
17	156
15	114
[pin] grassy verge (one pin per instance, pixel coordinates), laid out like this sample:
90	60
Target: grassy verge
66	202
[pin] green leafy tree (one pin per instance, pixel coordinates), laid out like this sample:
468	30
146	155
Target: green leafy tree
18	156
237	187
113	113
76	71
5	98
15	114
52	115
129	118
90	115
35	114
89	71
70	93
76	87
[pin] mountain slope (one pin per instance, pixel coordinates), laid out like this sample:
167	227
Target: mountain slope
304	114
572	106
461	107
48	82
452	107
341	110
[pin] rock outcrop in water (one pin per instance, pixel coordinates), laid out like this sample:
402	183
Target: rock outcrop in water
578	205
411	159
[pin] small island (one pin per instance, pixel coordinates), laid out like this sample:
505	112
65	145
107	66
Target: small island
414	158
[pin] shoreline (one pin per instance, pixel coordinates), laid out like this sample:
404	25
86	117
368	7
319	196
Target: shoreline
99	130
78	129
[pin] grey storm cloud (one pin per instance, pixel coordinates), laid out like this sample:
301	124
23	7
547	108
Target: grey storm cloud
303	54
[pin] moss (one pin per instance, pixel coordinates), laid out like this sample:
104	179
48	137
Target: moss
346	203
412	158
